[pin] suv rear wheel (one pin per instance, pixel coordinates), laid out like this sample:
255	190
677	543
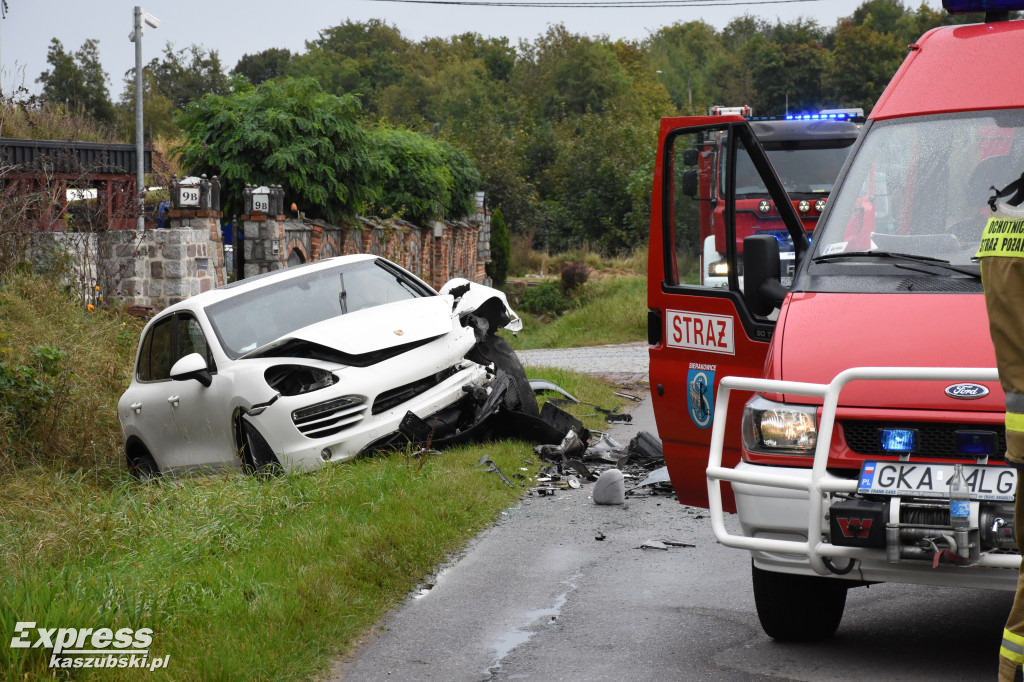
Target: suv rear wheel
798	608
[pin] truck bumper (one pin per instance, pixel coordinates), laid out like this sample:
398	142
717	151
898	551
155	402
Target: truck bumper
773	513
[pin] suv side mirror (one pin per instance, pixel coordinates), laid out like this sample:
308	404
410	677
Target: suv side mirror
192	366
762	274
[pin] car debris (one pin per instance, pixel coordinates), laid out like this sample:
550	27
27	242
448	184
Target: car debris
541	385
655	477
610	488
492	467
570	463
664	544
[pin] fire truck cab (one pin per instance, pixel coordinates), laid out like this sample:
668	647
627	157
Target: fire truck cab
831	412
807	151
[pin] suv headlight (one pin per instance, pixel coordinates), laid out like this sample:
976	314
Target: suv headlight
779	428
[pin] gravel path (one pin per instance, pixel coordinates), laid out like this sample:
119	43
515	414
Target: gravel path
626	362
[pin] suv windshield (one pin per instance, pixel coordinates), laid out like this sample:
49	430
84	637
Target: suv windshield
920	187
254	318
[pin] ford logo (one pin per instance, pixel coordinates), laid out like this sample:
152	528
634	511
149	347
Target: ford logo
966	391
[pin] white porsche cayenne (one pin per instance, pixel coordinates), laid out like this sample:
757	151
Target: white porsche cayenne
316	364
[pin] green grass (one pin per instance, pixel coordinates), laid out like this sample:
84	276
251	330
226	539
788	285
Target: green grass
609	310
239	578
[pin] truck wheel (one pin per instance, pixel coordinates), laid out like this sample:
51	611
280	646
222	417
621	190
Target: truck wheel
798	608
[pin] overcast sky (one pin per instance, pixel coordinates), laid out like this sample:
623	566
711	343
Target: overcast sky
235	28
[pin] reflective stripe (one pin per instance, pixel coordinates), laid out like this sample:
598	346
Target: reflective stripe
1015	402
1014	421
1002	237
1013	647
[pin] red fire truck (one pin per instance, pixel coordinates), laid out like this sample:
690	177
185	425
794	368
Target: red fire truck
841	415
807	151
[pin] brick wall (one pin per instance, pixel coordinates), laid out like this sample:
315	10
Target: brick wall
436	253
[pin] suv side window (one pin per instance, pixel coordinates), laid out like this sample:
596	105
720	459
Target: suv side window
168	341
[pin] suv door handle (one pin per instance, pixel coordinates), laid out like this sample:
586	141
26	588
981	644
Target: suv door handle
173	400
136	407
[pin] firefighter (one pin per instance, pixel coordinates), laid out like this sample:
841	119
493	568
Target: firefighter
1002	268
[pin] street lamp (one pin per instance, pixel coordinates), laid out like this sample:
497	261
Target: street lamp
141	16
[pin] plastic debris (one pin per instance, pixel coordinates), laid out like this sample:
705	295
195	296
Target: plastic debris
654	544
656	476
540	385
610	488
492	467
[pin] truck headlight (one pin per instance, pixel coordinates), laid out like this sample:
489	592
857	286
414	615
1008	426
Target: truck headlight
718	269
779	428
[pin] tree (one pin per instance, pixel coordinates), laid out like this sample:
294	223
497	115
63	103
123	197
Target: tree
688	56
421	179
501	249
360	58
262	66
286	131
181	75
77	80
863	63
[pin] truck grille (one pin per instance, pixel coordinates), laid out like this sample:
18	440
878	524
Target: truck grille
330	417
937	440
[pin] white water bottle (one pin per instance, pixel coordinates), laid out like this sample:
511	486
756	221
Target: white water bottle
959	500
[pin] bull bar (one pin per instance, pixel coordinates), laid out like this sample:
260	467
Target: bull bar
815	549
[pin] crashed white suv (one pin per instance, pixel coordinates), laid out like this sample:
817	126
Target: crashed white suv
315	364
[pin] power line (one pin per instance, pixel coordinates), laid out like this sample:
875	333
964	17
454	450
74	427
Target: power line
599	4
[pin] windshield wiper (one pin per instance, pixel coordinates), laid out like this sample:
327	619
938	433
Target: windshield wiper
908	257
342	295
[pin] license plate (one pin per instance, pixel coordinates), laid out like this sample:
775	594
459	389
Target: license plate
932	480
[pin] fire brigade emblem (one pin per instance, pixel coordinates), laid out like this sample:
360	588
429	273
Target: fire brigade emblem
700	401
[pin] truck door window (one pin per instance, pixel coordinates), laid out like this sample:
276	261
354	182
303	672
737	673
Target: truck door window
711	219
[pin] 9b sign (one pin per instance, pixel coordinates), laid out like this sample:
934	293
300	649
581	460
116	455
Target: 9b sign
261	203
188	196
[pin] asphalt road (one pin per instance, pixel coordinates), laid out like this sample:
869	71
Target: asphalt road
537	596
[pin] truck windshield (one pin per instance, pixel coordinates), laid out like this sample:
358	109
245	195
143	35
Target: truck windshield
921	187
803	170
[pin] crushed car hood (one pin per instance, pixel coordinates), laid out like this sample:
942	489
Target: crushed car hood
372	330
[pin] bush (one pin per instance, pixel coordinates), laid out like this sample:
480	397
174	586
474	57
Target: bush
544	299
501	249
574	275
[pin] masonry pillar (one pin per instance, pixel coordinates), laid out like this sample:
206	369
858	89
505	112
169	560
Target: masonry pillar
262	224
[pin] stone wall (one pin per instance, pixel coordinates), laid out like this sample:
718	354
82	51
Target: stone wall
160	267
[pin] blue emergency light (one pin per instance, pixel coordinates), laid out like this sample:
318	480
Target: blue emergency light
976	443
818	117
898	440
965	6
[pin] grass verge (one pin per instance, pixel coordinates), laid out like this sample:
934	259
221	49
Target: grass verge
241	578
608	310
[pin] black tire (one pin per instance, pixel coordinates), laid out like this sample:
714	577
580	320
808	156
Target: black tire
496	349
141	464
257	457
798	608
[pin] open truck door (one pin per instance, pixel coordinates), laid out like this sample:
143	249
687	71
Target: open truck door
703	326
